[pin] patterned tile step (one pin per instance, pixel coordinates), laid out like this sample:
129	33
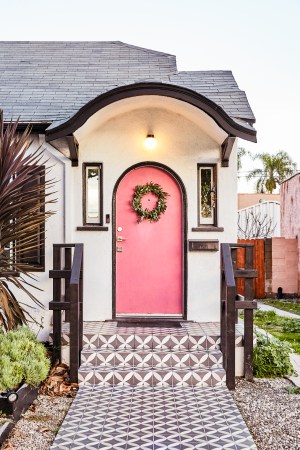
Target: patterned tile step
151	341
144	418
152	358
89	375
92	331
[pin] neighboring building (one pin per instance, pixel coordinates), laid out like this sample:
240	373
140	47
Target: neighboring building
290	207
259	221
91	105
290	213
245	200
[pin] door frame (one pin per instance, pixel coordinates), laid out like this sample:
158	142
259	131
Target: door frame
184	235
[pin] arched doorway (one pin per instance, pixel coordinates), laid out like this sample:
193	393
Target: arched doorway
149	257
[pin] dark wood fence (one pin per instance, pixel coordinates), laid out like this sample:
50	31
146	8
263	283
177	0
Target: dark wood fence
258	264
231	302
67	277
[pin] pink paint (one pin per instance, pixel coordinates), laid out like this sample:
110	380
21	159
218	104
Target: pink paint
290	218
149	268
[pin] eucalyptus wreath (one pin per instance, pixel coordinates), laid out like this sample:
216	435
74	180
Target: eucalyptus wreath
161	205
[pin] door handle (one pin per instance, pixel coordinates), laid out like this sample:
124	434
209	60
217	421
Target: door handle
121	239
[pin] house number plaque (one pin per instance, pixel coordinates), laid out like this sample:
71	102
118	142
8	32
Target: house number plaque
203	245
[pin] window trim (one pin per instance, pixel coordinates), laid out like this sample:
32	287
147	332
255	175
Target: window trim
214	223
85	165
39	265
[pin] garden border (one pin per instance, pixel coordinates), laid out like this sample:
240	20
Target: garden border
26	395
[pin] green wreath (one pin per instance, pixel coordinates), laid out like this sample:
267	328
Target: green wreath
161	205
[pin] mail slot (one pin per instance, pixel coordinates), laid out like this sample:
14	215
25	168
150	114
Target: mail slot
203	245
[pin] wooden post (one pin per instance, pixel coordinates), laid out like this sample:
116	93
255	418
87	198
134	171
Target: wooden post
75	312
223	309
248	318
230	338
68	266
56	313
81	306
229	316
74	332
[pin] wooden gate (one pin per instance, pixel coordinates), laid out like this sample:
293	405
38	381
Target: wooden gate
259	265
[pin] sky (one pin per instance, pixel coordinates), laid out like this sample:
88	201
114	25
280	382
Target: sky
259	40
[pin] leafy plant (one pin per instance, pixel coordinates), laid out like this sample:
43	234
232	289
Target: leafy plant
269	317
293	390
276	168
292	326
161	205
241	152
271	358
24	197
279	327
23	359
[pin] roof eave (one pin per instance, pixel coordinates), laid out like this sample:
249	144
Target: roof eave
228	124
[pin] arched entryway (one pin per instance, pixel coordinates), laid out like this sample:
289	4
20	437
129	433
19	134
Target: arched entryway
149	257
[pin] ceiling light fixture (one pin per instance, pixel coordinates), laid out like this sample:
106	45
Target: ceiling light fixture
150	142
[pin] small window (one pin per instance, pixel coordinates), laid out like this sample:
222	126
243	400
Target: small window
207	195
92	193
33	252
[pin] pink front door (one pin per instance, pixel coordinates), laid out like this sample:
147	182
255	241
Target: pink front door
149	256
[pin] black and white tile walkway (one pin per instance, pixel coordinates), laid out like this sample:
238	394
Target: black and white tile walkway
160	417
145	388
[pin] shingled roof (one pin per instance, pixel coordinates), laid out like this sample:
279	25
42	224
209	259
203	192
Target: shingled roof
45	82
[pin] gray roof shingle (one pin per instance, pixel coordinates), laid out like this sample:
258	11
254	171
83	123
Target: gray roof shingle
49	81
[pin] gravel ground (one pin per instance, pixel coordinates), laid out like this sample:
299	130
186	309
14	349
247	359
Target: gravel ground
38	427
271	413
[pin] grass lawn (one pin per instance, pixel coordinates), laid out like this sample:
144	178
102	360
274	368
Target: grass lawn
283	328
285	305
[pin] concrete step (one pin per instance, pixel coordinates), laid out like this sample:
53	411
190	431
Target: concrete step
136	359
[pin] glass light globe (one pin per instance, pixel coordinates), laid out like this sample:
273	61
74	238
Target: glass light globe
150	142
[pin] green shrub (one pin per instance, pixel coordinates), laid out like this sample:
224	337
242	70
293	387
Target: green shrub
271	358
268	317
23	359
293	390
292	326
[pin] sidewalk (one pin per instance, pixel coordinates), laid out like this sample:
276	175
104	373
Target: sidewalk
295	358
280	312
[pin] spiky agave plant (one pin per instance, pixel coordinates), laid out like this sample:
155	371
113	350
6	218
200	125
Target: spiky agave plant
24	208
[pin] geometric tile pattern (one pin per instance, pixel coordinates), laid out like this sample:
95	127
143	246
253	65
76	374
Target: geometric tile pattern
155	359
147	356
156	417
92	329
117	354
151	377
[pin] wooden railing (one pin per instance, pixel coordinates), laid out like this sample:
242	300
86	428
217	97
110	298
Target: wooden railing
231	302
67	277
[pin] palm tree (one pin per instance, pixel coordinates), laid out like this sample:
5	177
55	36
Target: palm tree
240	153
24	202
276	168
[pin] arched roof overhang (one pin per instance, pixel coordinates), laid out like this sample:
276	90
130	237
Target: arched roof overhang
233	128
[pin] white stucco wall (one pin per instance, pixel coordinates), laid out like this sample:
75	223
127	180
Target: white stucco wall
54	233
115	137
